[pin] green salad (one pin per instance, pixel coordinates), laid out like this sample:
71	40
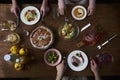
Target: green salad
68	31
52	57
30	15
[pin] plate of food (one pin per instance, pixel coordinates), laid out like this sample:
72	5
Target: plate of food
77	60
41	37
79	12
52	57
68	30
30	15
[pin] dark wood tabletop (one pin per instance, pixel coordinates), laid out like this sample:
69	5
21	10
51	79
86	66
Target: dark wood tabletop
106	16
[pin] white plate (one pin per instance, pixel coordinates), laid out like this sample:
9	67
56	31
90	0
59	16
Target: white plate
81	66
22	15
85	12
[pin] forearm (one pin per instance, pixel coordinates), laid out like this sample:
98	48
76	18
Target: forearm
60	1
45	2
14	2
59	76
92	2
97	76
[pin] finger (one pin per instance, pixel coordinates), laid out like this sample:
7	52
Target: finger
42	13
92	62
63	61
61	11
88	12
16	14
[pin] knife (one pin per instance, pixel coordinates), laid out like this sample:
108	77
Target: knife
85	27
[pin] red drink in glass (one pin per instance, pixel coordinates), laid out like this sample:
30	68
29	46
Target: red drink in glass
104	58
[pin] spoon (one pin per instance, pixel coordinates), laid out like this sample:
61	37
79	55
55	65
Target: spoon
100	46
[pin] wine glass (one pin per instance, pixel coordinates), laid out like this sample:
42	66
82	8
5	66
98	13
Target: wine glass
104	58
24	32
56	14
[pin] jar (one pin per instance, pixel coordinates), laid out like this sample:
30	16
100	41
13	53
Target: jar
11	57
23	60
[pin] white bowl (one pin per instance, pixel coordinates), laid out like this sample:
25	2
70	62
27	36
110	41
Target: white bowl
82	10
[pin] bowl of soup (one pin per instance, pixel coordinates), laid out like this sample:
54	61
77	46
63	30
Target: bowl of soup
79	12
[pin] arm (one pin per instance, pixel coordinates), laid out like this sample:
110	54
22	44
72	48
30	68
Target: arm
94	69
61	7
15	8
91	7
60	70
44	7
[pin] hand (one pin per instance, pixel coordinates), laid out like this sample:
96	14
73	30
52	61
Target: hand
15	9
94	67
44	7
91	7
60	70
61	7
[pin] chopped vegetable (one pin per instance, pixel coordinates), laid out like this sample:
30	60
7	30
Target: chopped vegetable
68	31
30	15
52	57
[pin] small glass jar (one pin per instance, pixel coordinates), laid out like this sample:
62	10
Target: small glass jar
11	57
23	59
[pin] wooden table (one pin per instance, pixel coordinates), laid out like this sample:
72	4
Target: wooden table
106	16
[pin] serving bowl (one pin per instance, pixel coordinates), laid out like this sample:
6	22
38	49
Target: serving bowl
68	30
52	57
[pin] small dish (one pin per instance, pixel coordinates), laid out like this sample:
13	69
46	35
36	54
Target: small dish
79	12
81	58
52	57
30	15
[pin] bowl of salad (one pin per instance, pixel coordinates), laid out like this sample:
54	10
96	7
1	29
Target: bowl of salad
68	31
30	15
52	57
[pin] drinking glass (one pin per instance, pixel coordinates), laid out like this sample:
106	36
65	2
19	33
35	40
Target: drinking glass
24	31
8	25
56	14
104	58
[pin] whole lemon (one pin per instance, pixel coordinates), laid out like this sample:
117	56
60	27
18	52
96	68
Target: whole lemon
18	66
14	49
23	51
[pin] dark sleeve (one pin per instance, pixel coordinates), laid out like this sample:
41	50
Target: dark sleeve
5	1
27	1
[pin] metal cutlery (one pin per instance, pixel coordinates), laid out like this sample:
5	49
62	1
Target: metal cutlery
4	29
85	27
100	46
